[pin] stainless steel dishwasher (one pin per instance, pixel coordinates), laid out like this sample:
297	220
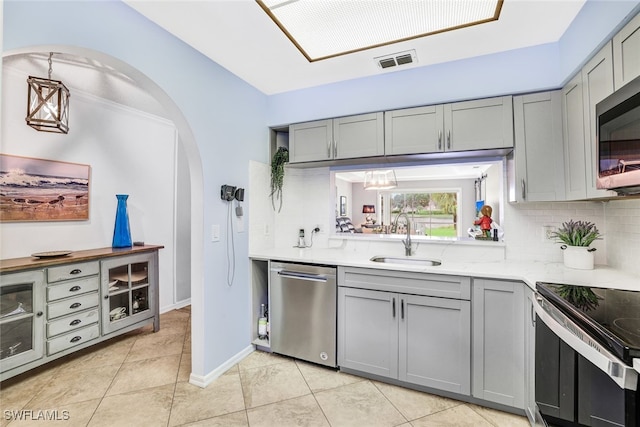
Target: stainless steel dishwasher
303	312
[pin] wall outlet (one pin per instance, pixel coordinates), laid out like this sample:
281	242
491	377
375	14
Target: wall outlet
547	232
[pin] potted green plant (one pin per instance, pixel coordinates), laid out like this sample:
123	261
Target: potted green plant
581	297
577	236
280	158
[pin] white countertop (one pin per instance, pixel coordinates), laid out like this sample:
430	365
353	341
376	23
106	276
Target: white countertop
529	272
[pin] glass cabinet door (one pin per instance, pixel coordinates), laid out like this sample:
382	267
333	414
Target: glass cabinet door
128	293
21	318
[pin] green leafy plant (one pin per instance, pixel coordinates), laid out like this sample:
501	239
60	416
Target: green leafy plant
580	296
577	233
278	161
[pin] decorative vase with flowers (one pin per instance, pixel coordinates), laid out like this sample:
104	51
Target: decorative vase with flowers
576	237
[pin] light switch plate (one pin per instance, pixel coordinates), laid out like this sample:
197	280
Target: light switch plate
215	233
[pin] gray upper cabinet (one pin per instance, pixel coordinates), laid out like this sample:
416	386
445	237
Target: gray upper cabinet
498	342
358	136
340	138
539	156
626	53
462	126
574	140
479	124
311	141
414	130
597	84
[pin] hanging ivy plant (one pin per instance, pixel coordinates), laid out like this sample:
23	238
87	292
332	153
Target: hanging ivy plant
280	157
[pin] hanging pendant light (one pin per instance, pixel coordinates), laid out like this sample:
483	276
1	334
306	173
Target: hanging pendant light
47	104
380	180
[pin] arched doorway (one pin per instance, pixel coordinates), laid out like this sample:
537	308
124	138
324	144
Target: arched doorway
188	147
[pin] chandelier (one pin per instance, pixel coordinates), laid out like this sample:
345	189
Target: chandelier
47	104
380	180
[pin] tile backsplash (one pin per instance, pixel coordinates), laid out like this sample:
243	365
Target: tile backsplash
623	234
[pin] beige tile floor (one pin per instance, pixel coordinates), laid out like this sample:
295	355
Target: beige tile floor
141	379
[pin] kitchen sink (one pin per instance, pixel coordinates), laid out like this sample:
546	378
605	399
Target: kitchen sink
424	262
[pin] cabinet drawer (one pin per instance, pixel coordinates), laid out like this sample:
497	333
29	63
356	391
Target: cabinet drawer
72	305
72	339
72	288
435	285
75	321
72	271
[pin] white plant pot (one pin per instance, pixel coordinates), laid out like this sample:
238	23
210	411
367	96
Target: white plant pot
578	257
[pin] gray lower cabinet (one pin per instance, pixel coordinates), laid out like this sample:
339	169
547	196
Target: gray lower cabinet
498	342
417	339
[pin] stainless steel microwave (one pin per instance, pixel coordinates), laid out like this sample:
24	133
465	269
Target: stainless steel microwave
618	133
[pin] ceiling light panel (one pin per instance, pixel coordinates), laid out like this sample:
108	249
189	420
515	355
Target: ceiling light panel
326	28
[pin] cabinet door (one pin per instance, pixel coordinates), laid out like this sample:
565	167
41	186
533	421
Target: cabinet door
479	124
368	331
21	318
538	147
358	136
434	343
597	84
311	141
129	290
414	130
626	53
574	148
498	342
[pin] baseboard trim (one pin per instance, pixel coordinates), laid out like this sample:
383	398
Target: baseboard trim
203	381
176	306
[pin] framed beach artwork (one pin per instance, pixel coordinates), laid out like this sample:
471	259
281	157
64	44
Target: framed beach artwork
43	190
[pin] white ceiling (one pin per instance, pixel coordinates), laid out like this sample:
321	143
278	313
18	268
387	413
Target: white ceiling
239	35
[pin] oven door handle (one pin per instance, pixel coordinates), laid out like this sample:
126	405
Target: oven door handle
625	376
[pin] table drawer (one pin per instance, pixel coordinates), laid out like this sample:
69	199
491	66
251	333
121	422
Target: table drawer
72	271
72	305
70	323
72	288
72	339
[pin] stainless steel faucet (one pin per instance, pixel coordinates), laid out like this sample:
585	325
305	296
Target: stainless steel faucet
407	241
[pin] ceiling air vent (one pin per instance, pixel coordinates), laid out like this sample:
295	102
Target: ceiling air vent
396	59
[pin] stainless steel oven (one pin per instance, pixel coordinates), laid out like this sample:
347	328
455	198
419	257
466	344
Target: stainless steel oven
587	341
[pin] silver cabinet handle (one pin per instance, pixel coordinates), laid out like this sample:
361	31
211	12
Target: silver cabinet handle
329	149
75	305
439	140
524	190
76	338
335	149
448	139
533	316
74	288
75	271
402	309
393	306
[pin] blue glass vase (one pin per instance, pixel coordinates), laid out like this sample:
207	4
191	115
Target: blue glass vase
121	231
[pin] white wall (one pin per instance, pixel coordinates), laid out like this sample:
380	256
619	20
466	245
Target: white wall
130	152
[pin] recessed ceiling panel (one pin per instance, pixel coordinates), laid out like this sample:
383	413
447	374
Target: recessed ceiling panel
323	29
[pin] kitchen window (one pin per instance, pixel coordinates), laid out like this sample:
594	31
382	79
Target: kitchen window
433	213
